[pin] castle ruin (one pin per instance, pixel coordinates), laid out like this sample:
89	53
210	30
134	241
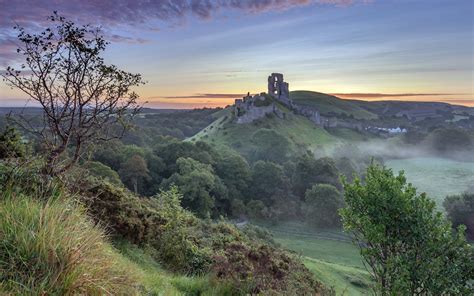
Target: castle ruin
279	89
251	108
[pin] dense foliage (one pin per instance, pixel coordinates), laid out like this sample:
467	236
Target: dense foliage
460	210
219	182
409	248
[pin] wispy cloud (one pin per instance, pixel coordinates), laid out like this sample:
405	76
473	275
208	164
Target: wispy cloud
392	95
202	96
122	13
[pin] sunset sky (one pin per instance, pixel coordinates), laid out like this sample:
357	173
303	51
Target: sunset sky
196	53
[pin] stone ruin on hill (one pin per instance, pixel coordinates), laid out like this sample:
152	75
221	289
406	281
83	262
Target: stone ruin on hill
251	108
279	89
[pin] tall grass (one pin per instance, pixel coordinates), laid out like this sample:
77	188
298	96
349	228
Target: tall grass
51	248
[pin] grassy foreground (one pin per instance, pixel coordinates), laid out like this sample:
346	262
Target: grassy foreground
329	254
52	248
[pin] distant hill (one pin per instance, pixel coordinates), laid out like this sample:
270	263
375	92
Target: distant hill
331	105
389	108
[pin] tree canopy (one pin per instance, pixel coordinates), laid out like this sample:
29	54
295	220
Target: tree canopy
408	247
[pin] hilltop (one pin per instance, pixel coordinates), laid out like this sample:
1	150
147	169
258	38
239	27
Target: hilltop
330	105
307	120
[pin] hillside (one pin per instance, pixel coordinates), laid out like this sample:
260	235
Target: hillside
330	105
300	132
390	108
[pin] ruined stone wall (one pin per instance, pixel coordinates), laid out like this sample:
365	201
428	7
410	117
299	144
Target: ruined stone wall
253	113
279	89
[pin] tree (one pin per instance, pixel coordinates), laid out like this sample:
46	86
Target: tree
408	247
234	171
322	204
271	145
460	209
268	179
103	171
447	140
134	170
310	171
84	100
11	144
198	184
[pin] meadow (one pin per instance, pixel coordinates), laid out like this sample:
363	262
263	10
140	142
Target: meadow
438	177
329	254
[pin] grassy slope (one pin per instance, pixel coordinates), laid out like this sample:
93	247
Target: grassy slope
328	254
327	103
438	177
157	281
301	132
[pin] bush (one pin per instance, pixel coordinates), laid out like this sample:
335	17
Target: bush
186	244
52	248
322	204
460	209
11	144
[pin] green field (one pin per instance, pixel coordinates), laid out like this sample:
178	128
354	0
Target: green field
438	177
329	254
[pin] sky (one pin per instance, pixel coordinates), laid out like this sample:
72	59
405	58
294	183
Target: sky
205	53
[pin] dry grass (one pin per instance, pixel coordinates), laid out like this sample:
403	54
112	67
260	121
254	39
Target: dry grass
52	248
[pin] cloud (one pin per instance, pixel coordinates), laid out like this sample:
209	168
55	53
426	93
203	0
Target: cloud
126	39
122	13
202	96
139	11
381	95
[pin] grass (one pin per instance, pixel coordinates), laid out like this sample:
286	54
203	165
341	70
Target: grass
329	254
51	248
300	131
326	103
438	177
157	281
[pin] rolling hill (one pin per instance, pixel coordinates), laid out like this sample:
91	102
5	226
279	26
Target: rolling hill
301	133
330	105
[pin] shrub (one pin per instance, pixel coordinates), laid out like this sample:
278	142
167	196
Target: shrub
460	209
322	204
11	144
52	248
186	244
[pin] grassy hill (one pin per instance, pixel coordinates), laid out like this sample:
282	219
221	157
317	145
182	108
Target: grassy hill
300	132
327	104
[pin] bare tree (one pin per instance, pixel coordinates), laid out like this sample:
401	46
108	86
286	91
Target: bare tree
84	100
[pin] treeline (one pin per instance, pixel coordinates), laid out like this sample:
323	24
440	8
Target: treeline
219	182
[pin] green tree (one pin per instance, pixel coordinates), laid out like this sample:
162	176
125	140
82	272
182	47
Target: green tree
102	171
11	144
198	183
310	171
268	180
446	140
322	204
134	170
408	247
460	209
270	146
235	172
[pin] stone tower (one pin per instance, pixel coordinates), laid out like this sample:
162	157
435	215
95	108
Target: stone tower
279	88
